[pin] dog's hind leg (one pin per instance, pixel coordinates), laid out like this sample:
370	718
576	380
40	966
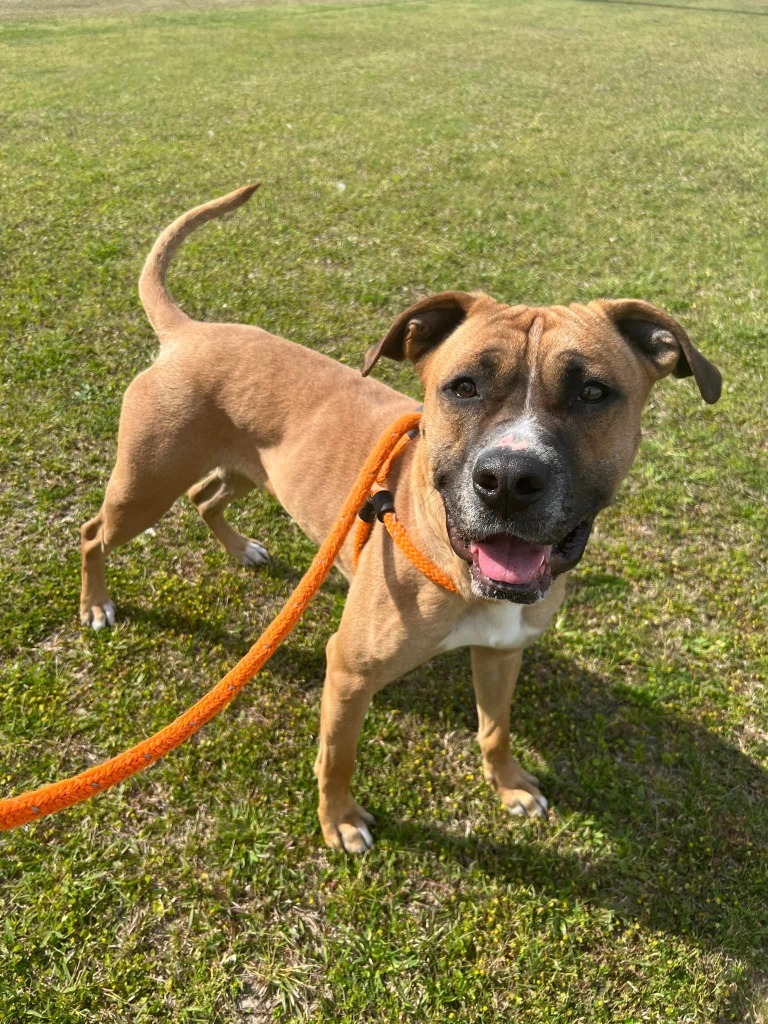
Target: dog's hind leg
147	479
126	512
211	496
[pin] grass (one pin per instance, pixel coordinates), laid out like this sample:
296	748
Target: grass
545	153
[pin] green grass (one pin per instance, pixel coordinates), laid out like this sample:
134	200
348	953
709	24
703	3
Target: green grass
545	152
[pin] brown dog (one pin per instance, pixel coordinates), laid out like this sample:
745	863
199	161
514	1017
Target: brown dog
531	421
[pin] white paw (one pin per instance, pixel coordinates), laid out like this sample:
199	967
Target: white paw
353	833
254	554
356	838
99	616
527	805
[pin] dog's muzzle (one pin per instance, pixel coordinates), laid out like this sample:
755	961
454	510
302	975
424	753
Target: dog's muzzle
507	567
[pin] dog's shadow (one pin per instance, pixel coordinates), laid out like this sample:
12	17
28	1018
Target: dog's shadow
669	818
178	619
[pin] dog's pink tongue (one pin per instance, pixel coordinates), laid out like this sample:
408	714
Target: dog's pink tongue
509	560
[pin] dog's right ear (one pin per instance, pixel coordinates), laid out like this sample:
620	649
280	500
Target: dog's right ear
421	328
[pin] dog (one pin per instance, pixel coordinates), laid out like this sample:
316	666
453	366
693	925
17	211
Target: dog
531	420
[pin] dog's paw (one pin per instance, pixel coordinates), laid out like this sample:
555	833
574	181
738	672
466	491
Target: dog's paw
98	616
253	554
518	789
351	833
523	803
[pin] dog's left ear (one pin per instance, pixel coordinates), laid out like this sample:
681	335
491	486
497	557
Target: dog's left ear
421	327
659	338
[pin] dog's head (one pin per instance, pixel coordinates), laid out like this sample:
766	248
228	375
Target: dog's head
532	420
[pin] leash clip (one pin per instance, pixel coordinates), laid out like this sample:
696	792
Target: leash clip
377	506
383	502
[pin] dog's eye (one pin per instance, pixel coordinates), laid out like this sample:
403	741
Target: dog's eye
593	391
464	388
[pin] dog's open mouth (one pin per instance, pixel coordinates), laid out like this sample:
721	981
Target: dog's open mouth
510	568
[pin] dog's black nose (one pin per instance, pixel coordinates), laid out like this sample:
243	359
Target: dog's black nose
508	480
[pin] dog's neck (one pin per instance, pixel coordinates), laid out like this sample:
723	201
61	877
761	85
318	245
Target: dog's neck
420	507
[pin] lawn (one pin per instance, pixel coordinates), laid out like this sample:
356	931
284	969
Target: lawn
543	152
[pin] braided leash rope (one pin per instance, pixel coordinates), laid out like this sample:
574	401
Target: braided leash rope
365	526
394	528
426	567
56	796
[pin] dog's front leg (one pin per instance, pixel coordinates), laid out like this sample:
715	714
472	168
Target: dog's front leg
347	694
494	674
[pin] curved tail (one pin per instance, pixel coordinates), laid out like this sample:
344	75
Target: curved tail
162	312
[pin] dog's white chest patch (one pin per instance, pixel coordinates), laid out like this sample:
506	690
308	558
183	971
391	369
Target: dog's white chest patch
496	624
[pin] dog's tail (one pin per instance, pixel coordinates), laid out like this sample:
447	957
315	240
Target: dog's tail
161	310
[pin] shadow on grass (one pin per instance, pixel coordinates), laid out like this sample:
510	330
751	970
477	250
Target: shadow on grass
161	614
667	818
670	817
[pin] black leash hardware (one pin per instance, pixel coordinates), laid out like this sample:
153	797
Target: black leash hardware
383	502
368	513
377	506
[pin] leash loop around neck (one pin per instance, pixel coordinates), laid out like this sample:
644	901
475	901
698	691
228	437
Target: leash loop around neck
380	505
56	796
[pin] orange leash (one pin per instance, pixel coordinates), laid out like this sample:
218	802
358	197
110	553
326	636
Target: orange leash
395	529
427	567
365	526
56	796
